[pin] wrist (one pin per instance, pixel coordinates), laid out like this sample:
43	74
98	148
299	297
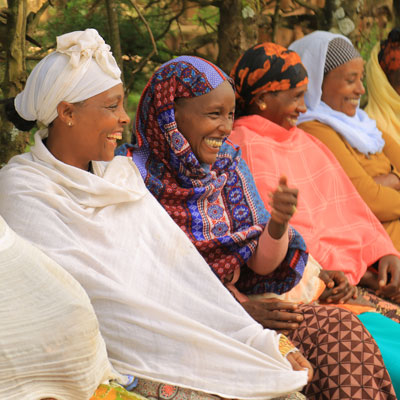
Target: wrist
276	230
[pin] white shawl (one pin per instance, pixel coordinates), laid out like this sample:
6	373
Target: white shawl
50	344
163	314
359	130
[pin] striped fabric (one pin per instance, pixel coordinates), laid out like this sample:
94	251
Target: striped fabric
339	52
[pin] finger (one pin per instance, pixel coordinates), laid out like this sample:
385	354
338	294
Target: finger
395	276
284	208
278	304
278	325
347	296
396	298
285	191
299	363
283	180
382	274
341	287
284	198
277	315
388	291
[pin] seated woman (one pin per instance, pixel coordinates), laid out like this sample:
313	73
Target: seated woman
383	85
184	117
371	159
164	316
50	340
339	228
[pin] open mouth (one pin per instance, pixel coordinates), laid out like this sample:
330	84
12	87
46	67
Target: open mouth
114	136
292	121
215	143
354	102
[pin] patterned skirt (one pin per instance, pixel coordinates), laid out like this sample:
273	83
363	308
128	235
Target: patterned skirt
159	391
347	361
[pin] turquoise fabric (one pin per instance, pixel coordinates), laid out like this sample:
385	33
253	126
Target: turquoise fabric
387	335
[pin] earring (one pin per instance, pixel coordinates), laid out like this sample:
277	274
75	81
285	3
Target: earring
262	106
69	123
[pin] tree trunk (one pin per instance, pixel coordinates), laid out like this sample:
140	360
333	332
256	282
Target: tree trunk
114	33
12	141
236	33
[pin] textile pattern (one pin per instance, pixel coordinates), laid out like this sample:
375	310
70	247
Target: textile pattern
267	67
389	55
218	206
161	391
343	354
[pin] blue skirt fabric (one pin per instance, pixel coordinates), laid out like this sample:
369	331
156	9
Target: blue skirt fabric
387	336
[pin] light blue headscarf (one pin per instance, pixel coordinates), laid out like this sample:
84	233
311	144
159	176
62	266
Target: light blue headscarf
359	130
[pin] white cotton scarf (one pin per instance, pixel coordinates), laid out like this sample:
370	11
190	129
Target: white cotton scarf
359	130
163	313
81	67
50	344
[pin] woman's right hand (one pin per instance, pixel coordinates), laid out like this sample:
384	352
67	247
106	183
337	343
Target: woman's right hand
274	314
389	180
300	363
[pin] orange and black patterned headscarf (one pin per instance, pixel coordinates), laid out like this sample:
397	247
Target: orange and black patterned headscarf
389	55
267	67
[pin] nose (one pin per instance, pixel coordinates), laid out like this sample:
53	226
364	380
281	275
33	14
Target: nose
360	88
301	106
225	127
124	118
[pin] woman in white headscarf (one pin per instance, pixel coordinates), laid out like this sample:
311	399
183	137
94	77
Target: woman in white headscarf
164	316
370	159
50	343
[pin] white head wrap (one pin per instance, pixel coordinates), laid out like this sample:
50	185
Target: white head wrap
50	344
359	130
312	50
81	67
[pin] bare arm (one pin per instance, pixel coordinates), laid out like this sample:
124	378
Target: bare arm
273	242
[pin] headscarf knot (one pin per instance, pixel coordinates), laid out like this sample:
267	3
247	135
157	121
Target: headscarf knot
81	46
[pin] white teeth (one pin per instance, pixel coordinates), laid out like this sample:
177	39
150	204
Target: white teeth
292	121
214	142
117	136
354	101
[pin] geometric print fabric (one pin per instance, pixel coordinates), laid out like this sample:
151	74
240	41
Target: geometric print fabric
347	362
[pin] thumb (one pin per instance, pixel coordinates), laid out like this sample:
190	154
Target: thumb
382	274
283	180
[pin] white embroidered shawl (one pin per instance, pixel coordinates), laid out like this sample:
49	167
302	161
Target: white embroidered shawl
163	314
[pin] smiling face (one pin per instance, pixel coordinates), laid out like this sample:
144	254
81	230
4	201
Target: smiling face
93	128
206	120
343	87
284	107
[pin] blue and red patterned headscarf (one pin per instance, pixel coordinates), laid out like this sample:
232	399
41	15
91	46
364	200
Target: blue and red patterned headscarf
218	206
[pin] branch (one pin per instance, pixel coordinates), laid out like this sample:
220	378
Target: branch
33	18
154	51
144	60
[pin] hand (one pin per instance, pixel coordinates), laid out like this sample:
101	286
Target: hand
300	363
390	180
274	314
283	204
389	276
338	289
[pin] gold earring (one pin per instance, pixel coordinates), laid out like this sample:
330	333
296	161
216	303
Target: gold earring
69	123
262	106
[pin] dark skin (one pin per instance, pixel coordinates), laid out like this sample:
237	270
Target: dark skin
282	315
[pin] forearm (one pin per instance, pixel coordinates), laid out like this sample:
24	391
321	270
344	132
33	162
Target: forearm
271	250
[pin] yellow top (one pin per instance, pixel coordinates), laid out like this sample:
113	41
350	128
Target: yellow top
383	201
383	101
